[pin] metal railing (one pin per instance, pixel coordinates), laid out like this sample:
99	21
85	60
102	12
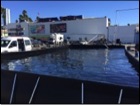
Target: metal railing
36	85
13	88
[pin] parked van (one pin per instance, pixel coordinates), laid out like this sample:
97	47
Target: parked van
15	44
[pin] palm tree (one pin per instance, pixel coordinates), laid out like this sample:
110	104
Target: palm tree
24	17
21	18
30	20
24	12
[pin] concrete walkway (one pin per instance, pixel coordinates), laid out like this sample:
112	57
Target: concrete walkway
132	51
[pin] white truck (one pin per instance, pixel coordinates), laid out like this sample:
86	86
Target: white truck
15	44
56	38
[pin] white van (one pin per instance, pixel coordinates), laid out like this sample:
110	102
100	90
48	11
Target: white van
15	44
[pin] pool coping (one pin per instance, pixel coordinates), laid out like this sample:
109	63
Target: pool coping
130	53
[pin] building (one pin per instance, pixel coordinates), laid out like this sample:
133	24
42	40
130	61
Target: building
75	29
136	39
126	34
4	32
18	29
7	19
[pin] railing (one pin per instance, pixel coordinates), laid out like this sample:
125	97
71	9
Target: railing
96	37
13	88
34	90
45	89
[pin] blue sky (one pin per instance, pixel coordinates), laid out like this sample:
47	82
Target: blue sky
88	9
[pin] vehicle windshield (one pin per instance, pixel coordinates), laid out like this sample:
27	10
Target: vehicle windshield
4	43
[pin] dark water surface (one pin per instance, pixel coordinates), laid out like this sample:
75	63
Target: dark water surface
102	65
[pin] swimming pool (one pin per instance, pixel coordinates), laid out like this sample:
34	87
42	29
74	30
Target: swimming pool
100	65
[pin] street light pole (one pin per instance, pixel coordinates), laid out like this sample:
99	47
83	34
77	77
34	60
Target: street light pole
115	33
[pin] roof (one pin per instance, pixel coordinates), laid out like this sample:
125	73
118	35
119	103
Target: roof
14	37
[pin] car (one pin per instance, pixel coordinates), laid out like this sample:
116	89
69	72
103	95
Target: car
15	44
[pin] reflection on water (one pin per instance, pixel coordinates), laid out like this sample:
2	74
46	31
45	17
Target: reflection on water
23	64
100	65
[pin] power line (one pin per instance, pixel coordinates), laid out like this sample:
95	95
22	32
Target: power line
116	18
123	10
127	9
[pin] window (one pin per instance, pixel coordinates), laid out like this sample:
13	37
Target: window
13	44
9	33
56	28
4	43
60	38
20	33
27	42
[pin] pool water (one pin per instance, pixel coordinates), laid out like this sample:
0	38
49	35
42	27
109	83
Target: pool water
100	65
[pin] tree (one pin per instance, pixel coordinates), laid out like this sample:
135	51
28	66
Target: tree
21	18
30	20
24	12
24	17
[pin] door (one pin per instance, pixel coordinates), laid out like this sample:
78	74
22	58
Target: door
13	47
28	45
21	46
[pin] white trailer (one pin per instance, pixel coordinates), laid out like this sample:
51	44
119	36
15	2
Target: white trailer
56	38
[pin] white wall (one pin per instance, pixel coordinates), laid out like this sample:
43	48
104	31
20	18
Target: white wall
83	27
125	33
86	28
23	25
137	35
136	39
78	28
